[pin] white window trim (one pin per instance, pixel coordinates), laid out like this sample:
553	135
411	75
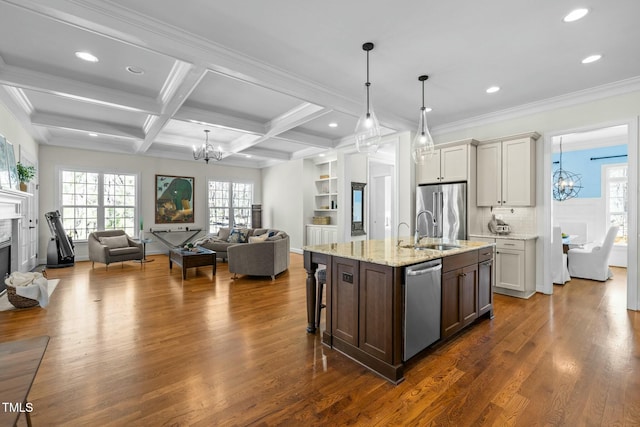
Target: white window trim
230	182
58	192
605	195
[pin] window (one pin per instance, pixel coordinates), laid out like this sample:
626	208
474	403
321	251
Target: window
229	205
616	200
98	201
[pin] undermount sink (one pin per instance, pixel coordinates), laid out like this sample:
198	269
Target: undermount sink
431	246
440	247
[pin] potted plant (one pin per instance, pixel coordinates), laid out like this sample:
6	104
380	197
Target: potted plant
25	174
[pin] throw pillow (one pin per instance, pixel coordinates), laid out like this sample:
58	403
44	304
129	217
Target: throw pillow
115	242
238	235
223	233
258	239
277	236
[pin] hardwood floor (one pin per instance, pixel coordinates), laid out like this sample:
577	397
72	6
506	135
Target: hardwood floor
132	346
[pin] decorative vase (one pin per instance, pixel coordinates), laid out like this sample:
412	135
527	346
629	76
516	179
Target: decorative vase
23	186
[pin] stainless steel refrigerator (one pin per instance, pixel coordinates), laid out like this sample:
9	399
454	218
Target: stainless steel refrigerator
441	210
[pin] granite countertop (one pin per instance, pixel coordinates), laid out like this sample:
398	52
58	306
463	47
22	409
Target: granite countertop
387	251
512	236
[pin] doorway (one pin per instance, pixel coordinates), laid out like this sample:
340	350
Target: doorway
28	227
591	211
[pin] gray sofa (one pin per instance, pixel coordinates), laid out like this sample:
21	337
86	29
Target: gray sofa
265	252
113	246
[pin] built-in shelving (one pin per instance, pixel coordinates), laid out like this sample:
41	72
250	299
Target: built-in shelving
326	197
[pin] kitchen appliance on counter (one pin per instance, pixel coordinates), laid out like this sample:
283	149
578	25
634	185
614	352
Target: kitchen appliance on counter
498	226
445	208
422	297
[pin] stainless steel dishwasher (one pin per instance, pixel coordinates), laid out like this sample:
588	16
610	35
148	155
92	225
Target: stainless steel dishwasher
422	295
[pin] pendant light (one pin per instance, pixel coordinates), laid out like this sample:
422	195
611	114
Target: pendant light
422	145
367	131
566	185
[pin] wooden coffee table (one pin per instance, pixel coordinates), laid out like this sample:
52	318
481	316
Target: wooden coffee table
188	259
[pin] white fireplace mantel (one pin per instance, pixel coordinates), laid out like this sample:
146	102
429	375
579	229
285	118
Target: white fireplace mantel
11	202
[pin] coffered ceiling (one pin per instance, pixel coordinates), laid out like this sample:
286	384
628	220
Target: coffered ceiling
267	78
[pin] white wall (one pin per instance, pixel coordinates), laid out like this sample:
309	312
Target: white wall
53	158
591	112
13	131
283	187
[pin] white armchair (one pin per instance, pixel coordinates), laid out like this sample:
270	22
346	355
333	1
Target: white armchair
592	262
559	269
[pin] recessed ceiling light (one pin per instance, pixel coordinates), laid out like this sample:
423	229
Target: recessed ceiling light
248	156
321	155
576	14
333	125
86	56
93	134
590	59
493	89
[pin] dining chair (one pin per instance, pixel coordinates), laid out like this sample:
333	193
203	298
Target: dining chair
592	262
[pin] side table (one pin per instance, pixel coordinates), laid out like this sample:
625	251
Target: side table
144	250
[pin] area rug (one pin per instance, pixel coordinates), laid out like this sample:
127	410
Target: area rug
6	305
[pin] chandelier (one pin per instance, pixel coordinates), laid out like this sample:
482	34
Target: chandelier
367	132
422	145
566	185
206	151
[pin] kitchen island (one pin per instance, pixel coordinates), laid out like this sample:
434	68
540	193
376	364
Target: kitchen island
365	304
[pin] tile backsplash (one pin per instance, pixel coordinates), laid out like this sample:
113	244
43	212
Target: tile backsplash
521	220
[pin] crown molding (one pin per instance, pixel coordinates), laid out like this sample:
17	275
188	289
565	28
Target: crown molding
575	98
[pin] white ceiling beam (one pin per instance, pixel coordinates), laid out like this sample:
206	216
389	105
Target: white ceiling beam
307	139
182	80
97	144
73	89
83	125
217	119
265	152
295	117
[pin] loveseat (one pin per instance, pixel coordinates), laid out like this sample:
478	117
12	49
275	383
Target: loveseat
113	246
254	252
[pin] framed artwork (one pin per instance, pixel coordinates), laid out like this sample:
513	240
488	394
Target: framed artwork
174	199
5	179
11	164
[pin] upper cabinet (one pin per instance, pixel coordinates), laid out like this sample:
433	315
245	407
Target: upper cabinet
451	162
506	171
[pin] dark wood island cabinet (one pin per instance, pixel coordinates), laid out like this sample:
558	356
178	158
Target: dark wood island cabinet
365	296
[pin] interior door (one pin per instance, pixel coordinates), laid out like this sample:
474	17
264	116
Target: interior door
29	222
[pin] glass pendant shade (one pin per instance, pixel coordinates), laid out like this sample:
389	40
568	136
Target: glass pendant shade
422	145
367	132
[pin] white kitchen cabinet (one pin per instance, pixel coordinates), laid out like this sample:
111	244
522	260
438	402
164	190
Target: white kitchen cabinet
515	267
450	163
321	234
506	171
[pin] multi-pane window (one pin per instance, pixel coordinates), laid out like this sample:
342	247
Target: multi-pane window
98	201
616	200
229	205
